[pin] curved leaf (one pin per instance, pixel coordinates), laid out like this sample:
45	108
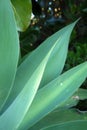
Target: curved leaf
22	10
58	57
9	50
54	68
54	94
59	116
74	125
82	94
21	104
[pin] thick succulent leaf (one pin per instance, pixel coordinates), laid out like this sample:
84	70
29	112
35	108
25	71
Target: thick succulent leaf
58	57
9	50
54	94
13	116
59	116
29	65
82	94
22	10
71	102
74	125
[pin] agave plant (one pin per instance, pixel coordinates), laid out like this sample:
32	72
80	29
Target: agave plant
35	89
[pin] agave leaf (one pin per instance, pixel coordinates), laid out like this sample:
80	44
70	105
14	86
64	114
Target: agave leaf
57	117
22	10
29	65
73	125
9	50
71	102
58	57
21	104
54	94
82	94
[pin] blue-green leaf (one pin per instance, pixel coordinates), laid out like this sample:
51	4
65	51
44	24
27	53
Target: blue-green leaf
54	66
18	109
9	50
58	57
82	94
59	116
54	94
73	125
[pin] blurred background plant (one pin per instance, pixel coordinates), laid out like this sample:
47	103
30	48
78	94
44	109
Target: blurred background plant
48	17
51	15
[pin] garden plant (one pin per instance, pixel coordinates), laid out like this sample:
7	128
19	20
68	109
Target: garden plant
34	93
